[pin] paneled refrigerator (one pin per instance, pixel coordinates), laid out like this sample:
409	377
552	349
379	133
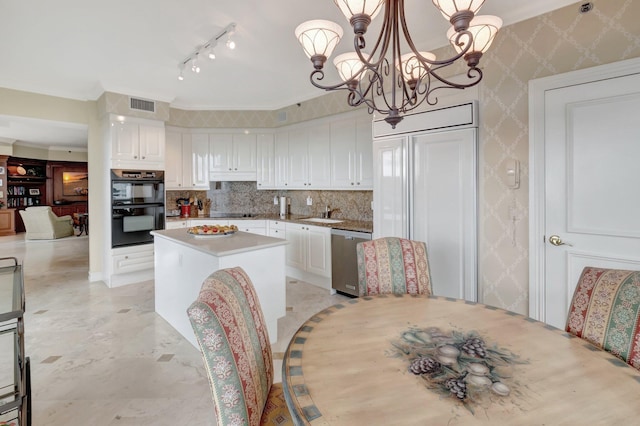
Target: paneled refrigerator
425	188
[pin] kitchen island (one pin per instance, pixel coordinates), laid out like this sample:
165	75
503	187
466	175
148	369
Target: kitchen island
183	261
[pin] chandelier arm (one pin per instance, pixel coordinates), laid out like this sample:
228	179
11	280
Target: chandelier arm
470	74
425	61
318	75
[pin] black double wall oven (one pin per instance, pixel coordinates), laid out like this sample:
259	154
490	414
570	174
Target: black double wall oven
137	206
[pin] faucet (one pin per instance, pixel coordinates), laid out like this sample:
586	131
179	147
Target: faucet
327	212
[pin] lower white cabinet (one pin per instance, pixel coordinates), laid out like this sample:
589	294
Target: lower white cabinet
131	264
309	249
176	224
252	226
277	229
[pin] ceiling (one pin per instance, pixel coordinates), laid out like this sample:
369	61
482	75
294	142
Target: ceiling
78	49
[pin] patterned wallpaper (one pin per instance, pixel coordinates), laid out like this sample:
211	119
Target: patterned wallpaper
557	42
560	41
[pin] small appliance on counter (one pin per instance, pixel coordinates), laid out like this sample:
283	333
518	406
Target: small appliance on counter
284	206
185	207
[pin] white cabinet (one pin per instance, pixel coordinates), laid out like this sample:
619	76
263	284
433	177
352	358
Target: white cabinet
187	165
352	154
131	264
232	157
309	157
309	248
390	188
266	161
281	152
173	166
277	229
196	157
253	226
137	143
302	158
175	224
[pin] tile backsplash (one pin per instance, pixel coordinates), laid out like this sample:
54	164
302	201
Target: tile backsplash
244	197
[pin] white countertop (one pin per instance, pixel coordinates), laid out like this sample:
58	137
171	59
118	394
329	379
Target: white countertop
220	245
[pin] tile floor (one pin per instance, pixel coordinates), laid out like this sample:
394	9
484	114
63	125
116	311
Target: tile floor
102	356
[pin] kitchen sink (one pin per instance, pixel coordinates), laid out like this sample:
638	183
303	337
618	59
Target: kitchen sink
322	220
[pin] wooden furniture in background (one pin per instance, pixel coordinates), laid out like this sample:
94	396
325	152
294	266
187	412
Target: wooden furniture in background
7	222
26	186
418	360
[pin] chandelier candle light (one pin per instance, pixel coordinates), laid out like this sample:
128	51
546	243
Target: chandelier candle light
411	77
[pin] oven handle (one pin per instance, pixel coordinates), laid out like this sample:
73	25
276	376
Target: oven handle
137	206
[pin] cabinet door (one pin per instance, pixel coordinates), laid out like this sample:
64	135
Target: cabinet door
319	157
364	153
173	165
282	160
343	152
199	161
220	153
296	249
152	143
319	250
266	161
390	205
124	140
244	153
298	159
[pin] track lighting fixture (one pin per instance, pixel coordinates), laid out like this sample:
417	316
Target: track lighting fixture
207	50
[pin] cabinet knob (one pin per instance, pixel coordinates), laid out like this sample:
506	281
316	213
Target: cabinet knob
351	183
235	168
358	183
135	156
229	168
143	157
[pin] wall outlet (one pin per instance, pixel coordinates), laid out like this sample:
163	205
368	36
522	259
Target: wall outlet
275	201
309	201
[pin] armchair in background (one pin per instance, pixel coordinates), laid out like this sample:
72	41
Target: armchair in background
41	223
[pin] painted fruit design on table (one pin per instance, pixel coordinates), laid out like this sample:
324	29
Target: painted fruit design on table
459	365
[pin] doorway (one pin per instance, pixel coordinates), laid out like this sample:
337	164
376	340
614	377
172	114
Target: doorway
584	185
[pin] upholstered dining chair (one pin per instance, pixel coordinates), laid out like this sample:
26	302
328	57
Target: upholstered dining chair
392	265
229	326
605	311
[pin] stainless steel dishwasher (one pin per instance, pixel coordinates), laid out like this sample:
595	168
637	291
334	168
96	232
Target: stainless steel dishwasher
344	264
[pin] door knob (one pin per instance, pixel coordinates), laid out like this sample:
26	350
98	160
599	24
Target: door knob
557	241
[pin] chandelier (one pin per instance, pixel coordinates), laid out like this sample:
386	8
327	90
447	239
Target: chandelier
385	79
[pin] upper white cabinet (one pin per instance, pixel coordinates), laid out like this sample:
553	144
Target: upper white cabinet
173	167
352	154
281	152
309	157
266	158
232	157
187	165
197	157
137	143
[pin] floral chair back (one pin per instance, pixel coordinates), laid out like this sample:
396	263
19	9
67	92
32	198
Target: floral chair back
392	265
229	326
605	311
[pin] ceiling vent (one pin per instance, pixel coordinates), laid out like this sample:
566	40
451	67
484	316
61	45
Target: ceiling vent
142	105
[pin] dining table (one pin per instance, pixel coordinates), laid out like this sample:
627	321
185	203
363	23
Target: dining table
428	360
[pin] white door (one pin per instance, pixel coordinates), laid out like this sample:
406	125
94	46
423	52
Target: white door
390	189
592	185
199	161
244	153
443	212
